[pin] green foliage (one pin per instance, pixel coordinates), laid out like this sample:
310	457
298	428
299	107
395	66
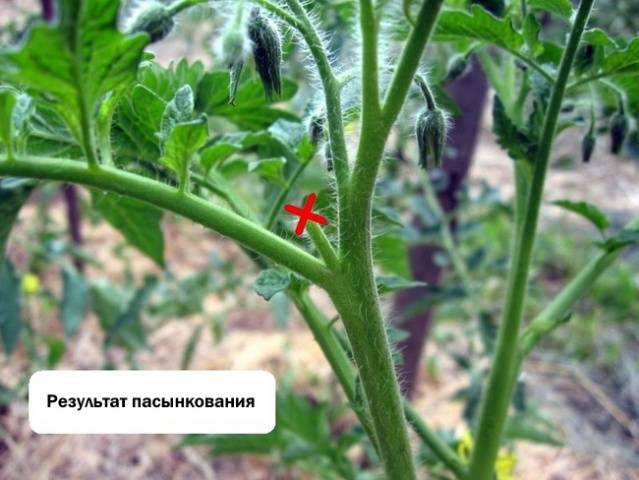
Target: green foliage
561	8
75	300
518	144
139	223
14	193
59	62
480	25
10	307
588	211
122	320
271	281
302	437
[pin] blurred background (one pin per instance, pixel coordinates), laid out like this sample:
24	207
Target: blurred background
578	397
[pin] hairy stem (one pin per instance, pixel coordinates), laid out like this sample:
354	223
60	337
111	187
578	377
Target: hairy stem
332	97
216	218
354	293
494	408
409	60
324	247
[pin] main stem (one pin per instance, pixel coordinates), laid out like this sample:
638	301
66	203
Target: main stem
494	409
354	292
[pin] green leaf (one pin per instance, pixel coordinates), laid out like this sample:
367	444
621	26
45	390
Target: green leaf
388	284
56	350
561	8
302	434
137	122
532	28
478	25
271	281
127	329
517	143
14	193
626	60
391	254
222	149
178	110
166	81
10	308
182	144
598	37
530	428
76	61
138	222
236	444
252	111
626	237
270	169
590	212
75	300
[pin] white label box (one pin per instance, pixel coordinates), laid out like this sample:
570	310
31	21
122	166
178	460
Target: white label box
151	401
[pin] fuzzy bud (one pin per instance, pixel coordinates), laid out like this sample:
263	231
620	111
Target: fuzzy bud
316	129
153	18
233	50
457	67
431	130
588	144
618	130
267	52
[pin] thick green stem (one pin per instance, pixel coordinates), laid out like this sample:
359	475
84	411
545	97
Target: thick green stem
370	68
160	195
354	293
494	408
332	96
356	300
409	60
336	355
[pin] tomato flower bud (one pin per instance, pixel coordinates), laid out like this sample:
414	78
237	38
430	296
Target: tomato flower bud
234	49
431	129
588	144
267	52
618	129
153	18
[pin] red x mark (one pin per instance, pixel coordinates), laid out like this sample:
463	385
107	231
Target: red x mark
306	213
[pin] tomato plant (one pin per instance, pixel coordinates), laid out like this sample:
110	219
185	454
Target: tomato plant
82	101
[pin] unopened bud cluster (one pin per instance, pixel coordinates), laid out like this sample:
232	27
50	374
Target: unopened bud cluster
431	130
